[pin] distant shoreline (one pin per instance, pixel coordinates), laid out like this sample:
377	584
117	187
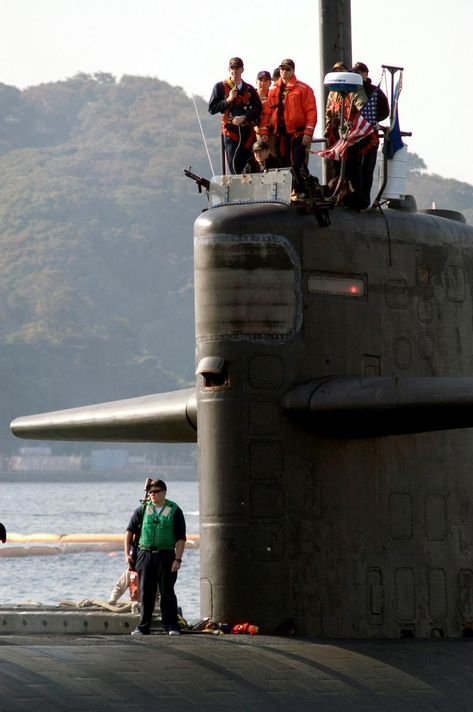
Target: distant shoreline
171	474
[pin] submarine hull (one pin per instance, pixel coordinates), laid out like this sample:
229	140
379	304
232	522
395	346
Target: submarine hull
334	530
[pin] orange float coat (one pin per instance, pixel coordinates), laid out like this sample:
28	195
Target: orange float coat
299	111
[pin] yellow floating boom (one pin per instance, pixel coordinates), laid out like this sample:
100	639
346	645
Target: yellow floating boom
16	538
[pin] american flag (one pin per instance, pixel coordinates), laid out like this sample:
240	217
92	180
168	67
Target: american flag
362	125
370	109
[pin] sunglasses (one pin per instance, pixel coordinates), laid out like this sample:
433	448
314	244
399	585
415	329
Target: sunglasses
155	491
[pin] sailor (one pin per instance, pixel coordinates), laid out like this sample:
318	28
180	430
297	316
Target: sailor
122	584
126	579
332	110
263	82
161	544
351	102
261	160
368	147
291	113
341	110
240	106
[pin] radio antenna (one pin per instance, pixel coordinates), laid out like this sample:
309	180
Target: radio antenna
203	136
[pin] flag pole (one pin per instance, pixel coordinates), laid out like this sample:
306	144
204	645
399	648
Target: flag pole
387	142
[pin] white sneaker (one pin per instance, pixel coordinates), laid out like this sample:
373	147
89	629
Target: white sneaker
137	631
173	631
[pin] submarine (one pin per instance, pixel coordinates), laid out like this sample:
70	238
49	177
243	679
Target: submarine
332	410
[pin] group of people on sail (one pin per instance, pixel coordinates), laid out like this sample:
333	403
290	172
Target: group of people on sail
272	126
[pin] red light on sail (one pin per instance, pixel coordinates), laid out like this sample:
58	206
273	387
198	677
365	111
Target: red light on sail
336	286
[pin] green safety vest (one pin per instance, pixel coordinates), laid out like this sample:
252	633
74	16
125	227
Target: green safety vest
157	530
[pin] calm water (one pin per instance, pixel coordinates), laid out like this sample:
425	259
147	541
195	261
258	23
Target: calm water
78	507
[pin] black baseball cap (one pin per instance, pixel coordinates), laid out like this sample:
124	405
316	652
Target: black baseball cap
287	63
360	67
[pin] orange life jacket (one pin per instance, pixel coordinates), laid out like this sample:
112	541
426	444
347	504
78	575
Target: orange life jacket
336	101
243	100
299	109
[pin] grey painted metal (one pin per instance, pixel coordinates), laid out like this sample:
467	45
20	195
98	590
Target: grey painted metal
365	537
211	365
335	33
161	417
361	407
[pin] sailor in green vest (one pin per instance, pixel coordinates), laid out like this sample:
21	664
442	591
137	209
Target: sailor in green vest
161	527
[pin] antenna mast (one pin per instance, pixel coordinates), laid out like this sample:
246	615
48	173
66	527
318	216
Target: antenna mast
335	45
335	34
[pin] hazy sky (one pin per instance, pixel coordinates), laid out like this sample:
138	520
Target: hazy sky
188	43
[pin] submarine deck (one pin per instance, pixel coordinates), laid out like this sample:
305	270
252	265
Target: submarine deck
89	673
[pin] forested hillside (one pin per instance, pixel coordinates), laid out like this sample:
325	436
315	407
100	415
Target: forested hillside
96	216
96	287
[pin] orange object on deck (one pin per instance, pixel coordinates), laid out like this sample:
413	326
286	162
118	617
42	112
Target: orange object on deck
134	585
